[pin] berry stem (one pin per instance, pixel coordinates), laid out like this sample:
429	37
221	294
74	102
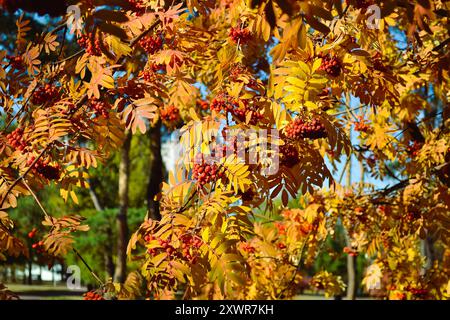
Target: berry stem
36	198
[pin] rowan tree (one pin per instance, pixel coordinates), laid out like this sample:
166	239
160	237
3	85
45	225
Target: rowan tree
268	98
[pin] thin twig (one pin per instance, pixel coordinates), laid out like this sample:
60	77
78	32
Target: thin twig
88	267
36	198
23	175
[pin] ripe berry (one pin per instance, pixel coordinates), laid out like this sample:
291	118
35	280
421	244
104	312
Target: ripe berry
38	246
202	104
16	139
16	62
414	149
32	233
151	44
240	35
46	94
91	44
331	65
100	107
299	129
92	295
44	170
247	247
225	103
190	247
281	245
150	74
350	251
361	125
204	172
289	155
170	115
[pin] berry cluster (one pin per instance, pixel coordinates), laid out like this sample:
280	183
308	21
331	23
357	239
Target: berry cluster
247	247
414	149
240	35
223	102
202	104
331	65
38	246
281	228
361	125
190	248
47	93
313	129
151	44
167	247
44	169
170	114
150	73
289	155
92	295
100	108
16	62
16	140
203	172
42	7
228	104
91	44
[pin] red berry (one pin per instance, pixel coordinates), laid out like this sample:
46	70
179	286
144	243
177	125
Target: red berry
91	44
240	35
361	125
331	65
151	44
299	129
170	115
46	94
205	173
100	107
92	295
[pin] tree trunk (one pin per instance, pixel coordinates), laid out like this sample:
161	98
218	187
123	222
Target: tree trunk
121	218
108	252
156	173
13	273
351	273
30	267
351	260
